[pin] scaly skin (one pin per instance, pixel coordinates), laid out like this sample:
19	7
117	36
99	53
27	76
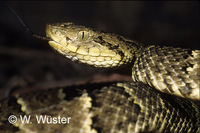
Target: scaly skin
122	107
171	70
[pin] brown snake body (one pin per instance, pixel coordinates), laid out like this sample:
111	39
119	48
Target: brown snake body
161	97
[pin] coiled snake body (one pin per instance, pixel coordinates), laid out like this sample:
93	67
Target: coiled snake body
161	98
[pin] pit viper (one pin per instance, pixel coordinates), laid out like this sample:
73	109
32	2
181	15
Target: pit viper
163	96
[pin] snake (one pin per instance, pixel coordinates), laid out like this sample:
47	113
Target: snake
163	96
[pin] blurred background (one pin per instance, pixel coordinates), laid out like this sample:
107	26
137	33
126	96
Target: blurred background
27	63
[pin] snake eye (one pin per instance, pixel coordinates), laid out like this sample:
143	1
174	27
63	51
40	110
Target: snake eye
83	35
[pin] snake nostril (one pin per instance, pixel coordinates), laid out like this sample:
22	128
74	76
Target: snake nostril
67	38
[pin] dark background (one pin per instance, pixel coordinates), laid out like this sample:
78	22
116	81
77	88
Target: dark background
29	63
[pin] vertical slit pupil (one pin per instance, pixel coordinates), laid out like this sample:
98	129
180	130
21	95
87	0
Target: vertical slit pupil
82	35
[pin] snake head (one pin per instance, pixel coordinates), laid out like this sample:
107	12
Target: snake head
89	46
